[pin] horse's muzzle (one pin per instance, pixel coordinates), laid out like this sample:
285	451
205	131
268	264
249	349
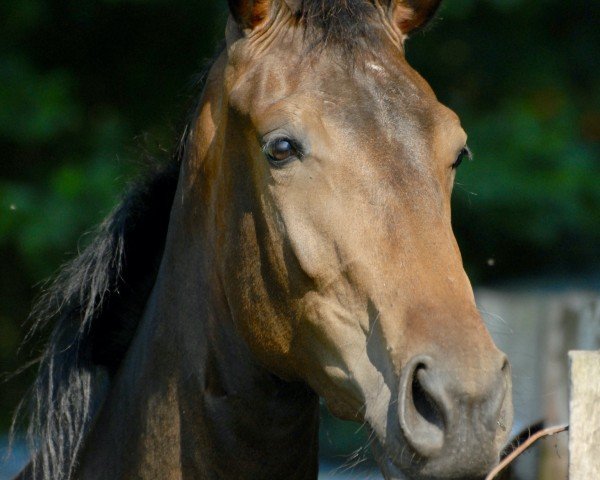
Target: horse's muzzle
454	419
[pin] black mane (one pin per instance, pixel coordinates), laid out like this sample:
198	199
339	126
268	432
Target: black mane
94	307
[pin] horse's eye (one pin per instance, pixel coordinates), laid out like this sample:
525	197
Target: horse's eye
465	153
281	151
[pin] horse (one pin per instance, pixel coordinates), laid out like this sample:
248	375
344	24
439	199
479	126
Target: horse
297	247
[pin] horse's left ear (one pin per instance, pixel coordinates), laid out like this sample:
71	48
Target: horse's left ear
413	15
250	14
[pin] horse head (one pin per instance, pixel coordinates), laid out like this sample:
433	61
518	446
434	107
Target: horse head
330	165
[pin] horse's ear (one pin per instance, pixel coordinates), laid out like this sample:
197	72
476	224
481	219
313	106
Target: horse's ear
253	13
250	13
412	15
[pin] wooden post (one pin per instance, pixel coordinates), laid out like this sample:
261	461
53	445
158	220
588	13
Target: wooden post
584	406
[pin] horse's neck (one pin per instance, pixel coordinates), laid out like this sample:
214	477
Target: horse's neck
190	402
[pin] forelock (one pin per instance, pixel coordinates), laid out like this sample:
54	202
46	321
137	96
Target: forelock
349	25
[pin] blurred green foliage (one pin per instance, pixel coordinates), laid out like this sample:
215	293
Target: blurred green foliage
81	81
524	76
84	87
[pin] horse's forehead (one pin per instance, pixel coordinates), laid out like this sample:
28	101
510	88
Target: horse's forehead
385	90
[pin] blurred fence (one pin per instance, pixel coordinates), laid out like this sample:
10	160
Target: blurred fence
584	415
536	330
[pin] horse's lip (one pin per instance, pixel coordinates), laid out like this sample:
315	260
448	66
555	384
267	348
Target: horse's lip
390	469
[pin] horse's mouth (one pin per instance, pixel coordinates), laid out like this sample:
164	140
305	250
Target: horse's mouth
388	463
405	464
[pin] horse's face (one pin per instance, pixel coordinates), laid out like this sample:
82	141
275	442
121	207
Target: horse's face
338	256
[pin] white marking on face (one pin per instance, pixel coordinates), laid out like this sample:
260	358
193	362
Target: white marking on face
375	67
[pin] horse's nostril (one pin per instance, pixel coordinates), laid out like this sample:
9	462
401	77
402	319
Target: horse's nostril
419	409
423	402
446	410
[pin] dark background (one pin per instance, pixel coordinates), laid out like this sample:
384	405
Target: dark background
87	87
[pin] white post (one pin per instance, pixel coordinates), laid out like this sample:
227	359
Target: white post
584	406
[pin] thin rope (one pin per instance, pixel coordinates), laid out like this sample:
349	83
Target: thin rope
524	446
